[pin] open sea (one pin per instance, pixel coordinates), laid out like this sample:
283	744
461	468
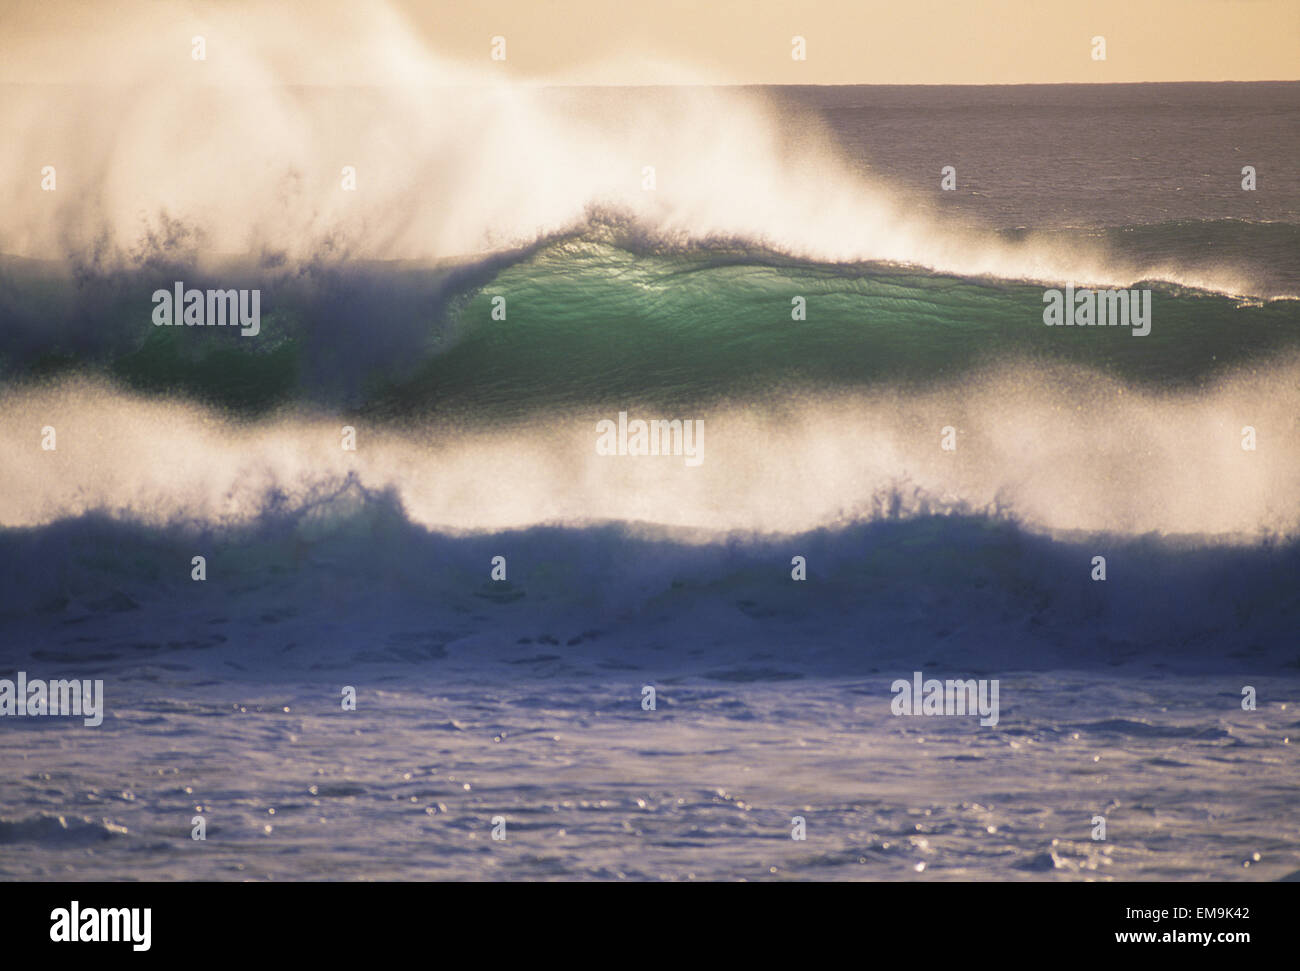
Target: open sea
575	665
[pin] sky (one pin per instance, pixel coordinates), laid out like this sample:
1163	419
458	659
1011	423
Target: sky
887	41
703	41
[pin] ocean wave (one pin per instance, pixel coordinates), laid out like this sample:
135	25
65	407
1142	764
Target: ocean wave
353	584
604	316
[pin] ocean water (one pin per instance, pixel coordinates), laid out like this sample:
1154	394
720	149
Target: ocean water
519	702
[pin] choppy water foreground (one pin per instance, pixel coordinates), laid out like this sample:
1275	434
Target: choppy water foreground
705	787
523	699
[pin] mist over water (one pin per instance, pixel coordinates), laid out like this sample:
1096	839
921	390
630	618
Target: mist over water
243	154
1050	450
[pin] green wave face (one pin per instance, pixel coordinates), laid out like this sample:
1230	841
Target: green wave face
594	324
590	323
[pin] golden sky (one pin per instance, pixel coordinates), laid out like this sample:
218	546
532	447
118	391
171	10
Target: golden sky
885	41
723	41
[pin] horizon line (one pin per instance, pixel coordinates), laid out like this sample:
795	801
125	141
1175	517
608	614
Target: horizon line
531	82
